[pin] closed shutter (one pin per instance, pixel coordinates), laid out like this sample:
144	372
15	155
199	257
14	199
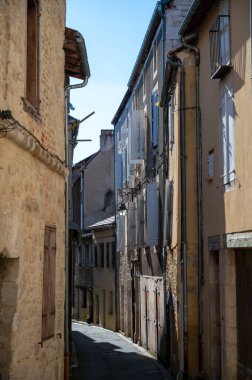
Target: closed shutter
118	171
152	197
154	106
230	116
136	137
168	214
120	232
49	272
140	221
132	240
227	131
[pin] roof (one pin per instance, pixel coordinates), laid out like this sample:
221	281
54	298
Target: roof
105	223
143	53
81	165
76	60
196	14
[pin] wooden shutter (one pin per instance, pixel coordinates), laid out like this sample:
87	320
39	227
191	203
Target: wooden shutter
171	122
49	272
136	137
132	241
227	130
154	100
118	171
120	232
152	197
140	221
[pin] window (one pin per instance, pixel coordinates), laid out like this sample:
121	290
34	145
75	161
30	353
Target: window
154	58
32	54
95	257
87	255
219	36
154	107
101	255
107	254
144	84
49	274
171	121
210	163
113	254
110	305
227	136
84	298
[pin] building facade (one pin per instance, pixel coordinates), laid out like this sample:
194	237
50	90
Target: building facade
141	187
93	202
33	172
206	92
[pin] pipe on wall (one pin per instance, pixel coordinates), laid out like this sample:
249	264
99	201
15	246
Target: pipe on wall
177	62
199	200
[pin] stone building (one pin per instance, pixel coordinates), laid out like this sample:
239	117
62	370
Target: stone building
207	92
141	187
93	202
225	263
33	174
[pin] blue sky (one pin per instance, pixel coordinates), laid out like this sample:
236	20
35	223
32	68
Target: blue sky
113	31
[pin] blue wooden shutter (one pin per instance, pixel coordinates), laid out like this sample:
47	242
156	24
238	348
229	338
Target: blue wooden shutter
171	122
136	137
118	171
140	221
131	218
120	232
154	100
152	221
227	131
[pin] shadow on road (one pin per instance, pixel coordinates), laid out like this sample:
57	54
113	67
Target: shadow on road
105	360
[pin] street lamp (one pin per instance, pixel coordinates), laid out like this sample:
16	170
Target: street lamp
122	209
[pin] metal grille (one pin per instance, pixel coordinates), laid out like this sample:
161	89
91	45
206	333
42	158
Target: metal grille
220	52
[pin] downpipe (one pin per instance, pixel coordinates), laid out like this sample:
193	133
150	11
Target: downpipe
199	201
68	300
177	62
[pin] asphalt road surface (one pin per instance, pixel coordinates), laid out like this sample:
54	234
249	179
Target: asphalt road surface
100	354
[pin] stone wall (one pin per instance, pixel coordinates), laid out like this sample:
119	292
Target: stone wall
32	194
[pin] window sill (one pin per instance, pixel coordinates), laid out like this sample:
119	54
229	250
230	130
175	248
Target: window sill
32	111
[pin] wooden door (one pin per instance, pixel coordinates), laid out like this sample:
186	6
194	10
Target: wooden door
244	313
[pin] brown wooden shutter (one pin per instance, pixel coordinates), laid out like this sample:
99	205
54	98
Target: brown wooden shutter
49	271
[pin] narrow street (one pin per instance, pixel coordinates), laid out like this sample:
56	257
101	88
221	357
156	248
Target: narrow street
103	354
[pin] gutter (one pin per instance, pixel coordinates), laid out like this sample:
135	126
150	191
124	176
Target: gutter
188	18
173	61
68	301
156	18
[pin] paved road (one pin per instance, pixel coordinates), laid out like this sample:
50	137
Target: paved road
104	355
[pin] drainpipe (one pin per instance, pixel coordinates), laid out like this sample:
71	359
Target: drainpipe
177	62
165	165
68	300
199	199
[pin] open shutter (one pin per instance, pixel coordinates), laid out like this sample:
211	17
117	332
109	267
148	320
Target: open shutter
118	171
171	122
224	140
136	137
120	232
49	271
154	106
132	241
227	130
152	197
230	121
140	221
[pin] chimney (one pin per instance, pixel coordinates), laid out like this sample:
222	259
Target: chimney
106	139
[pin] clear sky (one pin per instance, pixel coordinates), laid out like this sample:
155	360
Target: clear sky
113	31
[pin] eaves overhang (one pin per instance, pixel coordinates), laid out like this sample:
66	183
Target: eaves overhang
143	53
195	15
76	59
